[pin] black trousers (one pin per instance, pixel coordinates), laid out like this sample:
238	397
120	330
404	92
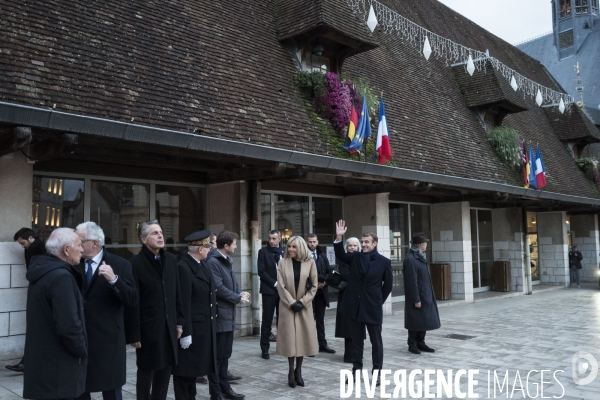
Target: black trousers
415	337
152	385
184	387
115	394
358	344
218	381
270	304
319	307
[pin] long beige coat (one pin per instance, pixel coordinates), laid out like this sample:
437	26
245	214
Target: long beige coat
296	332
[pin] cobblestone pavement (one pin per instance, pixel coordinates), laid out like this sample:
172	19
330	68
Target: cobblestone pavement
515	334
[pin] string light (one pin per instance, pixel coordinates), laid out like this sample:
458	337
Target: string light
375	13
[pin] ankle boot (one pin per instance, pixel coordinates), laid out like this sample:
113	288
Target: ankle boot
298	376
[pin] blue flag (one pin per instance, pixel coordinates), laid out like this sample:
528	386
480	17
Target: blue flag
532	180
364	129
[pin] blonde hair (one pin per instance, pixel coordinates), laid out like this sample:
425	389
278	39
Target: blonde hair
303	253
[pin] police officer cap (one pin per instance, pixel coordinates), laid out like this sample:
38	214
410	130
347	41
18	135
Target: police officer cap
198	238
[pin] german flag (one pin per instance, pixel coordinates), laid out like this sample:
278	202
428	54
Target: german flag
351	129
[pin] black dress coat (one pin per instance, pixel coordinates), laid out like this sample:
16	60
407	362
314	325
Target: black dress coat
198	299
418	288
36	248
104	321
267	270
56	343
228	290
343	326
323	271
368	286
153	321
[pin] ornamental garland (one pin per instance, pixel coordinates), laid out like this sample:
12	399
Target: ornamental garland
374	13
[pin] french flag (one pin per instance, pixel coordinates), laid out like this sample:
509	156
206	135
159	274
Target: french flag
540	171
383	137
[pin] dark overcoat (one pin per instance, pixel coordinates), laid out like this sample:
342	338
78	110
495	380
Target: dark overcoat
418	288
56	343
267	270
153	321
323	271
104	321
36	248
343	323
198	298
228	290
369	284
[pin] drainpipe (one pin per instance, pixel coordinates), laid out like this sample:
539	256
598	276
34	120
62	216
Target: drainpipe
527	286
255	246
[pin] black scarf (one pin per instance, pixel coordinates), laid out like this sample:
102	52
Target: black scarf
276	252
365	260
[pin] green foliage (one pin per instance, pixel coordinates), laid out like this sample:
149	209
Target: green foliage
314	83
505	142
589	166
362	87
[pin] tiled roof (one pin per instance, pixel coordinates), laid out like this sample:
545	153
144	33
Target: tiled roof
573	125
218	68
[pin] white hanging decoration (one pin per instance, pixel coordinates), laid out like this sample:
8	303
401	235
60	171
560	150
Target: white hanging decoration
426	48
470	65
513	83
538	98
561	106
412	34
372	20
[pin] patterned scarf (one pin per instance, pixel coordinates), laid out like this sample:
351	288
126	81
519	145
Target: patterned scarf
418	253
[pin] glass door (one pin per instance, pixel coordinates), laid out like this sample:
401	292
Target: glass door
482	249
534	257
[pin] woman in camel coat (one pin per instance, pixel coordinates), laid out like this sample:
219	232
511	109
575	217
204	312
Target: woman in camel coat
296	285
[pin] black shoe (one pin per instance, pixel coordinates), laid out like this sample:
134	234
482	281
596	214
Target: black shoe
291	379
326	349
423	347
17	367
202	379
231	377
298	377
272	338
217	396
413	349
265	355
230	394
378	383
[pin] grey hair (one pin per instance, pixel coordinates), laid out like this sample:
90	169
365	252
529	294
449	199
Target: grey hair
352	239
193	249
59	238
92	231
144	228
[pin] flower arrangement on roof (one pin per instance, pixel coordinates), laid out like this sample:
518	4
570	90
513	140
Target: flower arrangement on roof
589	166
505	142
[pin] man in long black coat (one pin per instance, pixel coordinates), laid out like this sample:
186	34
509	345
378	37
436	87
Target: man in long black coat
33	246
155	324
369	285
420	308
197	350
108	288
268	257
321	300
56	356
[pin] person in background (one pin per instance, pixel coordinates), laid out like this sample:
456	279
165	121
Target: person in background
575	267
268	257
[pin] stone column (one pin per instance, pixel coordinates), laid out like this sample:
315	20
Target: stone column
451	244
508	243
16	182
584	233
227	210
553	247
370	213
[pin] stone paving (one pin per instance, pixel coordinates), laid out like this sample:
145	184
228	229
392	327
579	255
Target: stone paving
512	333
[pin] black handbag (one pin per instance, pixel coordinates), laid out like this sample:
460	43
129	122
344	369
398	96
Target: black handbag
308	283
335	281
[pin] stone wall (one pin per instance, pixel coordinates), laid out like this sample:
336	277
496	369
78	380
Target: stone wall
584	233
553	247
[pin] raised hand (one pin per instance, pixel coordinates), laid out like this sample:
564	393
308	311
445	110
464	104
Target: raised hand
340	229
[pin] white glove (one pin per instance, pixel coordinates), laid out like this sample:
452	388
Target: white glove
185	342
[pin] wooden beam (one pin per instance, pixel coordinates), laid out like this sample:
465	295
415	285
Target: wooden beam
18	139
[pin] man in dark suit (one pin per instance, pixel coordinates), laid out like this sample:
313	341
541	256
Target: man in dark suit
155	324
229	294
321	300
197	350
268	257
369	285
33	246
108	288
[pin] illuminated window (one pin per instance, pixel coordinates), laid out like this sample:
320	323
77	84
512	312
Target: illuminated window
311	62
582	7
565	8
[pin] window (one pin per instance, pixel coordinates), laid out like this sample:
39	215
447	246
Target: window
565	39
533	246
595	7
311	62
118	208
180	211
57	202
406	220
582	7
565	8
482	248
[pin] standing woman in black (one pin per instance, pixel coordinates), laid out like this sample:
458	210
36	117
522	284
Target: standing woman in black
343	328
296	285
